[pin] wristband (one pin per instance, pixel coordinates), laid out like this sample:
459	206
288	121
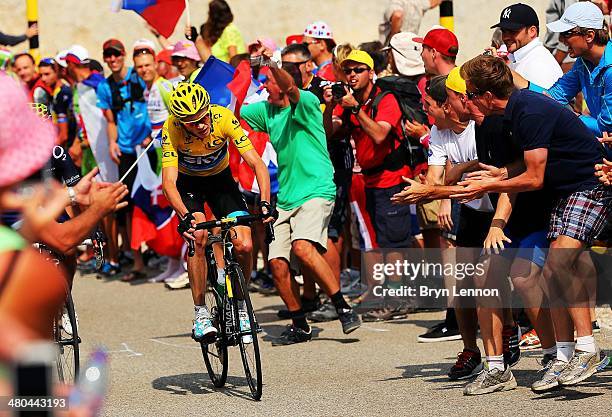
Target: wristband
499	223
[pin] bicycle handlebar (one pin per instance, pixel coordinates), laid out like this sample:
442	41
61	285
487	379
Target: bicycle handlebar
229	222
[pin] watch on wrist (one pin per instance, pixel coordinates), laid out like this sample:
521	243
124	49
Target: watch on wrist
355	109
72	195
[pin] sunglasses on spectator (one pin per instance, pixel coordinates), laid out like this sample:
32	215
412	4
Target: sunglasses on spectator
297	64
357	70
111	52
570	33
471	95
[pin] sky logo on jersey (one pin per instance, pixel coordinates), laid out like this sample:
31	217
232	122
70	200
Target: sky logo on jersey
200	163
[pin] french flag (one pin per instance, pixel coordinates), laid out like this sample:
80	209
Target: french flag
154	221
233	88
160	14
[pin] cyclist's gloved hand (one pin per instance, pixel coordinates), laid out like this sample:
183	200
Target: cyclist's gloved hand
268	211
186	224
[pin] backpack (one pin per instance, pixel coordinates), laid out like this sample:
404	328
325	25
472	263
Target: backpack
408	150
136	93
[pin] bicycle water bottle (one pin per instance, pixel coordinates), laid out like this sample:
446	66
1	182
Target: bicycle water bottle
93	383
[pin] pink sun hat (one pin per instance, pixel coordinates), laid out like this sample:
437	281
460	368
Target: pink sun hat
186	49
26	140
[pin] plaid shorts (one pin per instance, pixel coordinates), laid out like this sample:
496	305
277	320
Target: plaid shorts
582	215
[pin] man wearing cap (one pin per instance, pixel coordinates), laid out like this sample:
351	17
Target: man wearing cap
320	40
520	30
403	16
377	146
121	98
186	59
440	49
582	29
164	66
559	153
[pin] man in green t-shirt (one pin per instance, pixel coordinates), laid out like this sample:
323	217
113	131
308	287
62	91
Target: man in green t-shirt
293	119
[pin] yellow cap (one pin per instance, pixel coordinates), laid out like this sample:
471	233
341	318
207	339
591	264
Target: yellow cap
455	82
359	56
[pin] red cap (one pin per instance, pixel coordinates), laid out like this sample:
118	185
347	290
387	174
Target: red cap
291	39
442	40
165	56
114	44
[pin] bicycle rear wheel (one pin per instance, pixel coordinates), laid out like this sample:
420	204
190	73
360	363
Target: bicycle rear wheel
251	359
68	353
215	354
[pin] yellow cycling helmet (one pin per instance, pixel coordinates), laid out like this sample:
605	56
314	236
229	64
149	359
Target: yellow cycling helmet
41	110
188	99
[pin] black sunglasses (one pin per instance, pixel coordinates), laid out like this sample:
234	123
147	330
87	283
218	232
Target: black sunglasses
111	52
358	70
142	51
471	95
297	64
570	33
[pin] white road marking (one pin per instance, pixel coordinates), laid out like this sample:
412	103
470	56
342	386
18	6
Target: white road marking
374	329
190	346
127	350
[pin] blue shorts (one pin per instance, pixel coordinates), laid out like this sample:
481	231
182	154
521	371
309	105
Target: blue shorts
532	247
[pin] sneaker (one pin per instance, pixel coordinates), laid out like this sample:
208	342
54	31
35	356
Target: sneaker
327	312
547	360
511	336
469	363
581	366
262	284
181	282
530	341
439	333
550	380
65	322
292	335
350	320
595	327
203	330
110	270
491	381
307	307
604	361
385	314
245	325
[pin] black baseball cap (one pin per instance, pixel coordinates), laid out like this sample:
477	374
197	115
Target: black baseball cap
517	16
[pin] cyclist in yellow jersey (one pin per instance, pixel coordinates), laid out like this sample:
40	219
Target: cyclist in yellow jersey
195	170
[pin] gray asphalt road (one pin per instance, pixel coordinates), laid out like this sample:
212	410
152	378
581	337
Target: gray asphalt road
157	370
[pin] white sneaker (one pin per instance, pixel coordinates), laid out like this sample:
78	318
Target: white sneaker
65	322
182	281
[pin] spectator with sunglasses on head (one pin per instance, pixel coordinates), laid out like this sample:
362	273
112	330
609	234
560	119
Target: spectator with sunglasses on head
61	99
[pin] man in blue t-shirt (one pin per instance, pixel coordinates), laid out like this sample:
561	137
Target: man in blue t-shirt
559	153
121	98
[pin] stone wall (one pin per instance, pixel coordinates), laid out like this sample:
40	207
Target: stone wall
90	22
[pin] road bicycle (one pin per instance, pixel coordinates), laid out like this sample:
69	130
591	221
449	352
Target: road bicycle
224	298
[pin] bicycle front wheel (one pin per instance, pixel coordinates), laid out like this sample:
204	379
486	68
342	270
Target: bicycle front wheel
247	341
215	354
68	343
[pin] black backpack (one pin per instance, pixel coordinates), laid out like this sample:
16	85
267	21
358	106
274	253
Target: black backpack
136	93
408	150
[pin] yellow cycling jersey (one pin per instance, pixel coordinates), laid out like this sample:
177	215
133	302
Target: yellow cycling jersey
203	156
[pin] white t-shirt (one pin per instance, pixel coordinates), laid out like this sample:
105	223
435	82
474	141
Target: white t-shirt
536	64
456	148
413	13
156	99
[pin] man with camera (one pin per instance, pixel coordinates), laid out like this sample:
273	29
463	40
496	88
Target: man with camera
292	117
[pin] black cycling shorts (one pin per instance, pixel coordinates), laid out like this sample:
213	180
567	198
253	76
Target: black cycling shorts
220	191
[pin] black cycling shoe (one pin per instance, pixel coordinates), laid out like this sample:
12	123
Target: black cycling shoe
307	307
510	338
349	319
292	335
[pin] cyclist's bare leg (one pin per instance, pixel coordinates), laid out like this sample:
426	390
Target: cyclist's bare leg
196	265
243	248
